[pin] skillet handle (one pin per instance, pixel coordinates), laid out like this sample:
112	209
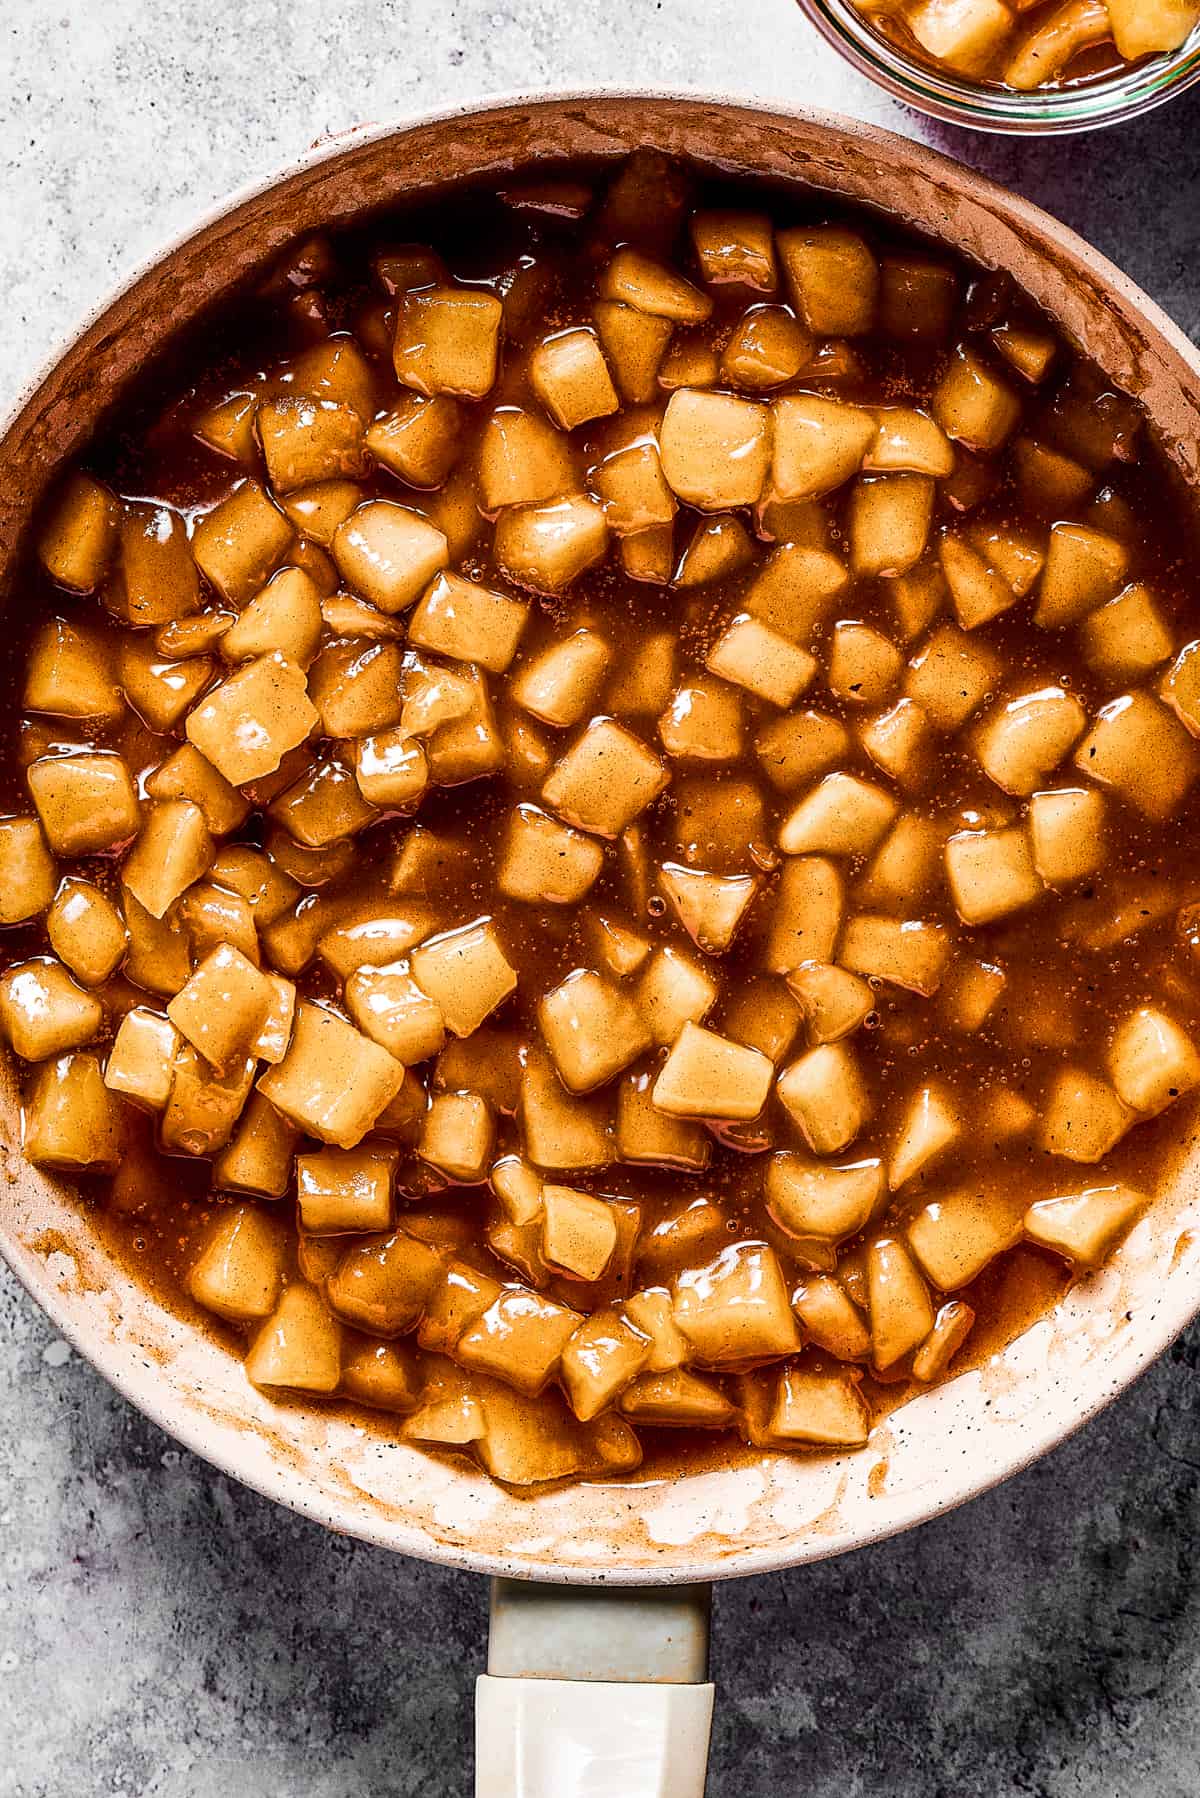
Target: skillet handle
594	1693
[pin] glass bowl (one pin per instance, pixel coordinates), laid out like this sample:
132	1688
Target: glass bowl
941	94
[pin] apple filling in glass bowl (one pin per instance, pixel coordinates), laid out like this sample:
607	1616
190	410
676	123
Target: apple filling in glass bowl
600	817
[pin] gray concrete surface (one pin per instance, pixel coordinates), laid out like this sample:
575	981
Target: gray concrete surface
164	1634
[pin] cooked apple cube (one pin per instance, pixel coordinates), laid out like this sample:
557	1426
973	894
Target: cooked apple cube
1025	738
735	1311
900	1309
520	1340
258	1156
605	780
825	1094
522	460
719	822
299	1346
1043	56
642	684
703	722
458	1301
734	248
614	944
1128	637
189	775
818	1409
71	1121
828	1316
719	546
319	512
1082	1117
579	1232
833	278
600	1360
384	1284
389	554
706	1075
864	665
561	1134
908	441
447	341
931	1123
449	1414
648	556
383	1375
796	589
1085	1227
1138	748
160	691
797	748
43	1011
750	654
819	444
239	1273
1067	834
223	1007
951	676
391	769
237	546
978	590
820	1207
159	956
951	1327
965	35
77	542
419	439
991	873
543	862
251	720
646	1135
466	973
518	1188
28	875
155	576
592	1029
468	623
458	1135
972	404
1084	568
546	547
388	1006
889	523
561	682
768	347
69	674
843	815
333	1082
1152	1061
676	1398
634	344
570	377
1146	30
1180	687
635	280
810	903
357	688
834	1001
173	849
652	1314
633	490
956	1236
906	864
306	439
86	802
672	991
203	1105
715	449
709	906
900	741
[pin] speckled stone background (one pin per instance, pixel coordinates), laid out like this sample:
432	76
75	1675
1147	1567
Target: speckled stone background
164	1634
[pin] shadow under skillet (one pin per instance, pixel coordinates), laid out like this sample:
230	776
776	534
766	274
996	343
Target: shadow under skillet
1132	190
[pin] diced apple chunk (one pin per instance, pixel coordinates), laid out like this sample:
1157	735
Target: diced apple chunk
932	1122
43	1011
447	341
890	517
819	1206
419	439
1084	569
715	449
951	676
561	1134
824	1092
1138	748
800	746
28	875
844	815
991	873
223	1007
709	906
468	623
457	1136
1067	834
78	540
703	722
389	554
864	665
819	1410
70	1119
1082	1117
237	546
543	862
333	1082
548	546
299	1346
807	919
634	344
734	1311
706	1075
592	1029
1125	639
833	277
250	721
819	444
1085	1227
570	377
173	849
951	1327
750	654
956	1236
86	802
604	1355
561	683
466	973
973	405
605	780
834	1002
579	1232
519	1339
1152	1061
900	1308
239	1273
1025	738
908	952
673	990
829	1317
